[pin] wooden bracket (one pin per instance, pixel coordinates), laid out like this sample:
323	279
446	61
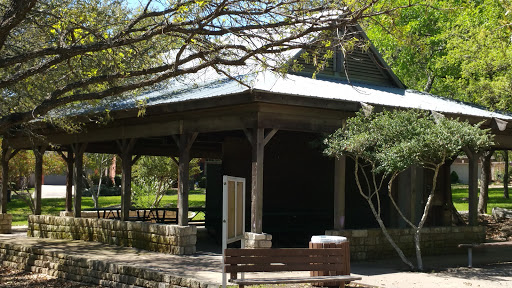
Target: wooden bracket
269	136
266	138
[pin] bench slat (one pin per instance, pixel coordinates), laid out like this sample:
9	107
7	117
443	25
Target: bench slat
280	268
260	281
291	259
284	252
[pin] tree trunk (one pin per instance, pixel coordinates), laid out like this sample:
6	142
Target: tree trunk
428	205
505	174
376	214
484	180
97	194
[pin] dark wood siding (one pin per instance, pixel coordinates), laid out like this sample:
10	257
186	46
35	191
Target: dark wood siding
360	66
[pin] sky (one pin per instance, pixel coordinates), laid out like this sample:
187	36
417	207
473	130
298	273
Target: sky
136	3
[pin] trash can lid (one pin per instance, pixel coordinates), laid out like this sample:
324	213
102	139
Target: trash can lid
328	239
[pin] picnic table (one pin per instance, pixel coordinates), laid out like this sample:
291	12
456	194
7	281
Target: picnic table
156	215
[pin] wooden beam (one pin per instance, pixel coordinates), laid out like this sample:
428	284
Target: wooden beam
258	149
7	154
473	186
70	161
126	152
185	143
135	159
78	150
269	136
248	134
339	192
38	154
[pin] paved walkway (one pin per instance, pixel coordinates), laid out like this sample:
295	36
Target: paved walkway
494	267
53	191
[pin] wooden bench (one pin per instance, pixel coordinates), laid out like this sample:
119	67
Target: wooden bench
290	259
471	246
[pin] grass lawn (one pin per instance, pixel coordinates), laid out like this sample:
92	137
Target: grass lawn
52	206
496	199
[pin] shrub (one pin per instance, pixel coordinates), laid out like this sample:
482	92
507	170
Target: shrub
454	177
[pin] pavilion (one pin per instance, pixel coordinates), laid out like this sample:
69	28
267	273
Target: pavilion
268	131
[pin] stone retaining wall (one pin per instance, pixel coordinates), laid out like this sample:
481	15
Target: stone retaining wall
171	239
5	223
89	271
371	243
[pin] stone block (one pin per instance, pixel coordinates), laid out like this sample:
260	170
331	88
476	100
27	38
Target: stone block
5	216
257	236
359	233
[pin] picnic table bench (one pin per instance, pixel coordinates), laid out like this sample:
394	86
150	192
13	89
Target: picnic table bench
471	246
285	259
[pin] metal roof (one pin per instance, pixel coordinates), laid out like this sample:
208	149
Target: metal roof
301	86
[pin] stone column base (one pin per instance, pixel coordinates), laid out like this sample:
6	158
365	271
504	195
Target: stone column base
66	214
255	240
5	223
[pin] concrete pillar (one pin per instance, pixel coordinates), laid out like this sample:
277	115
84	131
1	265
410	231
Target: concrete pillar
339	192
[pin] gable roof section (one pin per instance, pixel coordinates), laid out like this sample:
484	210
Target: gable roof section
365	66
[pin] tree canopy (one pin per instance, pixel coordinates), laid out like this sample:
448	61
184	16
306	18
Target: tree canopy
55	53
385	144
456	49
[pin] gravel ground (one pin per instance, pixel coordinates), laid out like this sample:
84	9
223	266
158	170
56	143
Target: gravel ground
11	278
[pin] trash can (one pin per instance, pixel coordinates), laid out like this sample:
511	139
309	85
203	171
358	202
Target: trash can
325	241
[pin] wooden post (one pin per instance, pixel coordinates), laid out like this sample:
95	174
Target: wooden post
78	150
258	149
339	192
473	186
506	177
38	153
258	140
126	146
184	142
7	154
70	160
485	176
447	193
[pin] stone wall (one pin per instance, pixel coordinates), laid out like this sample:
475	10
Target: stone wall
255	240
171	239
5	223
89	271
371	243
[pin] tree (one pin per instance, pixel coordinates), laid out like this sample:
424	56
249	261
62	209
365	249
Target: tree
383	145
98	164
451	48
154	176
456	49
55	53
22	166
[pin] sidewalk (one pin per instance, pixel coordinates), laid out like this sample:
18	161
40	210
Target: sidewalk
53	191
493	266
